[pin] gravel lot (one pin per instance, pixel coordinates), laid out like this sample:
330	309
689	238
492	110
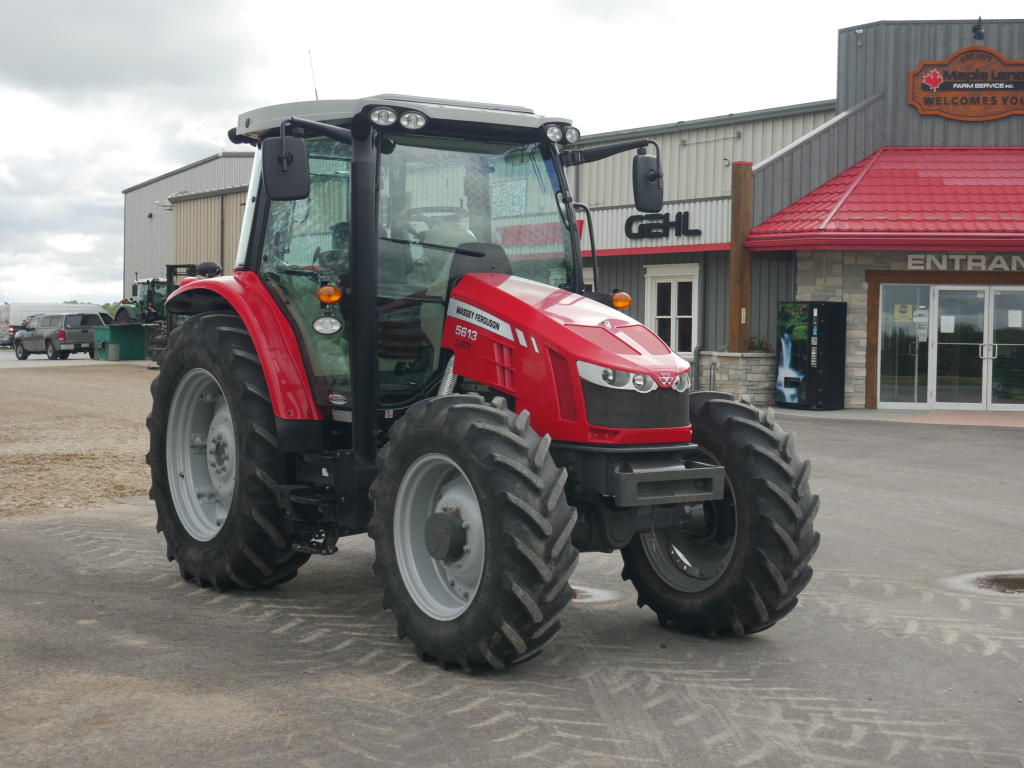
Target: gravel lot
72	432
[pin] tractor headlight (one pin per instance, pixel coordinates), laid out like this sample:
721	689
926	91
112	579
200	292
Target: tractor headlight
572	135
412	120
642	382
554	133
327	325
682	382
615	379
383	116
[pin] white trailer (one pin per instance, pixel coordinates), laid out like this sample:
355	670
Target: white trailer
16	313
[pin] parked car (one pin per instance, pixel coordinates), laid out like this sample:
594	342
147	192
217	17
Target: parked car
60	335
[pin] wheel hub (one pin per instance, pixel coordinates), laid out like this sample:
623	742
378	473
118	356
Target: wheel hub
439	536
201	455
445	535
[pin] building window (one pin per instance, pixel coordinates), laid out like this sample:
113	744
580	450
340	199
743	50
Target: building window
671	304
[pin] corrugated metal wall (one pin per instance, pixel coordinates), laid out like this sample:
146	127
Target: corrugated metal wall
148	227
771	280
207	228
874	63
786	177
696	161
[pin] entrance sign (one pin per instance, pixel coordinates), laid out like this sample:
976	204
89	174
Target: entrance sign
974	83
962	262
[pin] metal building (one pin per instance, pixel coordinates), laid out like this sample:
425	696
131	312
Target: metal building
909	207
675	265
188	215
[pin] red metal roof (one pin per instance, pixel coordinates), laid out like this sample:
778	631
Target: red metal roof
944	198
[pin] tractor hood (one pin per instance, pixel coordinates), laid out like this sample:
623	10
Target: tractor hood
533	342
537	315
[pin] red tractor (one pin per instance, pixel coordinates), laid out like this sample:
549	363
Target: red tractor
405	348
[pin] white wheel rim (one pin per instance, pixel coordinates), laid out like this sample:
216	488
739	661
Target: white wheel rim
201	454
442	589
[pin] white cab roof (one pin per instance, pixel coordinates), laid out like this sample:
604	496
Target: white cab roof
260	121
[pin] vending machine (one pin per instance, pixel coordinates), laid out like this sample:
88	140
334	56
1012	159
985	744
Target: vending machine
811	353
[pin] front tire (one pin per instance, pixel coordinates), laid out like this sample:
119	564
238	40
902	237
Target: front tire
213	447
747	571
472	532
20	352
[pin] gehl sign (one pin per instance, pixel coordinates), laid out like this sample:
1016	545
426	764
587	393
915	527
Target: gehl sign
660	225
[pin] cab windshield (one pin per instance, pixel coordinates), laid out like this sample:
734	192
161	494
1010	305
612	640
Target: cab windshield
437	194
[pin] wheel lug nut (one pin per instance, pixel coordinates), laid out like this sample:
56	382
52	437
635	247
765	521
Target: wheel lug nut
465	549
465	525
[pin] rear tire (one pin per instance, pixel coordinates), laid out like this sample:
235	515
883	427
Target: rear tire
479	463
763	536
20	352
51	351
213	436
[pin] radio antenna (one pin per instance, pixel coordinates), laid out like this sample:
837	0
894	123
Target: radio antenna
312	73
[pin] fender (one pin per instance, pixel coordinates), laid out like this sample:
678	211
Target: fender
272	335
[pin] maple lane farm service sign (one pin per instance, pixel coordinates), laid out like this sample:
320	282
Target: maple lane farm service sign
974	83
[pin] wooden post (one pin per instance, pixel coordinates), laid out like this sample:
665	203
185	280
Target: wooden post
739	256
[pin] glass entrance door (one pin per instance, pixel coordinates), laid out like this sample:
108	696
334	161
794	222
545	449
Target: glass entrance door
1006	349
957	378
903	342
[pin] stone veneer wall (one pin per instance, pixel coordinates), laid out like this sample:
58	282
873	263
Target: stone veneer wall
839	276
745	374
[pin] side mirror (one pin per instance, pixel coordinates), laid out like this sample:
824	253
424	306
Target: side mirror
285	167
648	193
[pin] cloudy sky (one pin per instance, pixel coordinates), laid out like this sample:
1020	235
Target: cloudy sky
99	95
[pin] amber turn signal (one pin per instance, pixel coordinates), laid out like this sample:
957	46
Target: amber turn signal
621	300
328	294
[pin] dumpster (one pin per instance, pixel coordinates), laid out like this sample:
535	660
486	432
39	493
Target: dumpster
129	340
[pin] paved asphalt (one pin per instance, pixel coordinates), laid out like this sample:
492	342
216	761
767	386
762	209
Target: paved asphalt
108	659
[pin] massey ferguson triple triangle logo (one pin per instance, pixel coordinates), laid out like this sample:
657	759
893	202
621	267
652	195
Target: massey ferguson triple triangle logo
666	378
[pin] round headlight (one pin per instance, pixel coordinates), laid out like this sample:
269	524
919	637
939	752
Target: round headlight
554	133
682	382
412	120
383	116
327	325
572	135
643	383
614	378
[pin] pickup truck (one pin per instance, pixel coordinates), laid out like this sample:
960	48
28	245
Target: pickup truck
59	335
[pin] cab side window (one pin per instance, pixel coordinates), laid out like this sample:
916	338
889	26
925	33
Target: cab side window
306	245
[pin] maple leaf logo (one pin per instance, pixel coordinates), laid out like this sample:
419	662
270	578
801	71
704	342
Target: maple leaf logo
933	79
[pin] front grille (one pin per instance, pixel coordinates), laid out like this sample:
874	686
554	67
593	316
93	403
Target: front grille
626	409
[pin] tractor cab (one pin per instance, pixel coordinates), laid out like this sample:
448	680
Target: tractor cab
453	188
